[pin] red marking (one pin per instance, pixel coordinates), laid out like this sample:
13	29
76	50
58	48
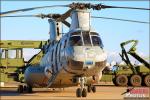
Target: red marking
139	91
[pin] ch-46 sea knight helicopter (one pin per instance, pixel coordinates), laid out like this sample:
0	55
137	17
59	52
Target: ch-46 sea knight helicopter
75	58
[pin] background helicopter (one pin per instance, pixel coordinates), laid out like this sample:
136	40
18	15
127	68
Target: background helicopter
77	6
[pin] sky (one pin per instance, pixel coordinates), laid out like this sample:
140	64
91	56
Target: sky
112	32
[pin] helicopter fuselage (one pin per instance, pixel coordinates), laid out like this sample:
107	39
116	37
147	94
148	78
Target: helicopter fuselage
77	54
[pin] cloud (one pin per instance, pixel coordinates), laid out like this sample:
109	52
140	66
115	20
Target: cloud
115	57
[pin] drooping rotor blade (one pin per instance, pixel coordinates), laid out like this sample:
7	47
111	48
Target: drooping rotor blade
20	16
135	21
29	9
55	16
60	17
65	15
66	23
72	6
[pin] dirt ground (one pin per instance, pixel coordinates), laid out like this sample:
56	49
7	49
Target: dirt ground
103	92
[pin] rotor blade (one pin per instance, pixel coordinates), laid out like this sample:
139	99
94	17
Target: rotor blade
105	6
66	23
135	21
55	16
100	6
73	5
65	15
19	16
29	9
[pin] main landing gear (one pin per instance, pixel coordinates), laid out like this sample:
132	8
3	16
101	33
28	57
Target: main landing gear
24	89
91	88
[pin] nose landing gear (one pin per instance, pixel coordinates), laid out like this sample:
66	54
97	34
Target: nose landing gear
81	92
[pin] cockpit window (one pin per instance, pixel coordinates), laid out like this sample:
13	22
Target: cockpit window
87	40
97	41
76	41
93	33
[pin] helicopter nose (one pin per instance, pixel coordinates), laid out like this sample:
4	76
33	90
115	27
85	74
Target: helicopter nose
76	65
81	65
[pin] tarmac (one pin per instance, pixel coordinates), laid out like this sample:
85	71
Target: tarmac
103	93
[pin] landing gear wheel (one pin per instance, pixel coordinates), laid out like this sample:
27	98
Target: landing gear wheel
29	89
79	92
89	88
135	80
20	89
121	80
147	80
93	89
84	92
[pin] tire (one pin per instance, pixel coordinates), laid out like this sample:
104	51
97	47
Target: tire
93	89
78	92
135	80
147	80
84	92
29	89
89	89
121	80
20	89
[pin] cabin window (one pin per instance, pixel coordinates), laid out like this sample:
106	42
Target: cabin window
57	54
59	51
52	55
97	41
65	44
56	50
76	41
